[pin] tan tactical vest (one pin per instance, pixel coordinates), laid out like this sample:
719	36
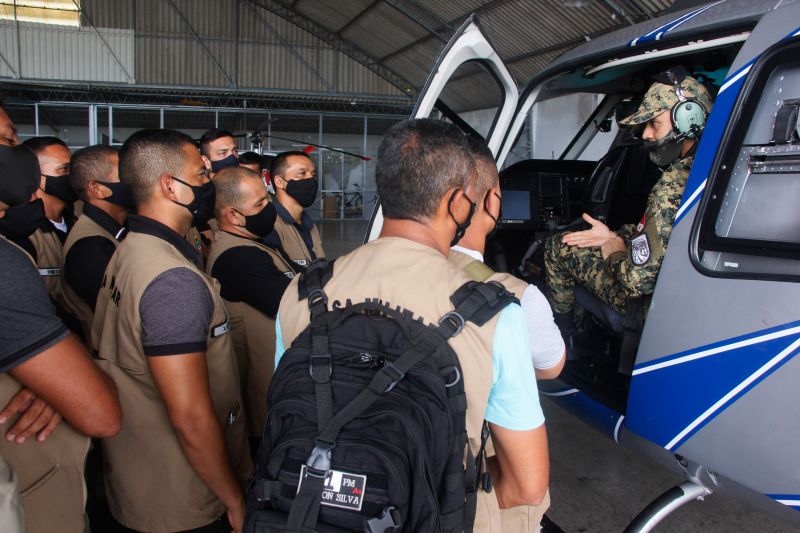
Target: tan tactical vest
413	276
149	482
50	473
48	260
524	518
193	238
479	271
84	228
253	335
294	245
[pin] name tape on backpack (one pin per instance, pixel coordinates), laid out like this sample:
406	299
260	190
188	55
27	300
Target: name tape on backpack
340	489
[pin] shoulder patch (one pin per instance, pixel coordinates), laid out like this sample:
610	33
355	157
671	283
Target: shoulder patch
640	249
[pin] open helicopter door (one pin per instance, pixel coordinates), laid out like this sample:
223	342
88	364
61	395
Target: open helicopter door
466	71
717	372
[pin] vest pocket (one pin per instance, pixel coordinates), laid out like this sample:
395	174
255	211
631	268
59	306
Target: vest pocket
33	487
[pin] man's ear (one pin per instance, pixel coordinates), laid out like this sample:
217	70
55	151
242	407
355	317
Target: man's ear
97	190
167	186
206	162
230	216
493	200
279	181
449	203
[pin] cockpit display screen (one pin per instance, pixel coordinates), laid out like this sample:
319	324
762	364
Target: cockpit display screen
516	207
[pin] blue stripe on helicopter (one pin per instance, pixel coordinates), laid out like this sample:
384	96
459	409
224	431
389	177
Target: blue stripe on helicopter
659	32
598	415
712	135
789	500
784	330
657	413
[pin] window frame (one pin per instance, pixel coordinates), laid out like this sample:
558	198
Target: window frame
703	236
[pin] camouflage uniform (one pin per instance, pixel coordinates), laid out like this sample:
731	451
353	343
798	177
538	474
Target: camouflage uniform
633	272
622	274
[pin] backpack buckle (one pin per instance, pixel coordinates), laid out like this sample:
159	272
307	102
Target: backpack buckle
325	361
389	520
319	462
390	366
455	320
316	296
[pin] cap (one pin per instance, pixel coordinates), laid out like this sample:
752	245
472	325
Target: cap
662	97
19	174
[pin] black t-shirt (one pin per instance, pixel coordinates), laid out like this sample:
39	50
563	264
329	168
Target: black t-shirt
85	263
247	274
28	318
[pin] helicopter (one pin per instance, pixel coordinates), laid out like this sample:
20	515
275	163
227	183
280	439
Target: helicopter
707	384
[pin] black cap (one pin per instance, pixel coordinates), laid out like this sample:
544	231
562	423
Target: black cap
19	174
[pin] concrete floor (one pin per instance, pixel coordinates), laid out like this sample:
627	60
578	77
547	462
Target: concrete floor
596	485
341	236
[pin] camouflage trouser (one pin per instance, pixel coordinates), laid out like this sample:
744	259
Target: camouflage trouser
569	265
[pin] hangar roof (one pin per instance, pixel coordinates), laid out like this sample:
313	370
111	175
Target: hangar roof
350	55
406	36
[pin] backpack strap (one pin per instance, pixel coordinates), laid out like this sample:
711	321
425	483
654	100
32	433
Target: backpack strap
480	302
310	286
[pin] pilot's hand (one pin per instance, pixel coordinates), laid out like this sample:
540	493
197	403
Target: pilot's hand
597	236
38	418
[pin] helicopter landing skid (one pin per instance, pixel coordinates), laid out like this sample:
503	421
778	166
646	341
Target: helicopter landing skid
665	504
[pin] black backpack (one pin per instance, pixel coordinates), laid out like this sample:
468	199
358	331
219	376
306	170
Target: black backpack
368	414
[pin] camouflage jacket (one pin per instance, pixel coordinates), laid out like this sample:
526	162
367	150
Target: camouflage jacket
637	268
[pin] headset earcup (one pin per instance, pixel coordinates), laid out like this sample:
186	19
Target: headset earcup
688	118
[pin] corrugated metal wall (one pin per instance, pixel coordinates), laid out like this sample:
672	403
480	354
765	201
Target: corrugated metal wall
248	44
63	53
207	43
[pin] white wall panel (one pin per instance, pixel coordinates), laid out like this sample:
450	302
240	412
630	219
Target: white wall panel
62	53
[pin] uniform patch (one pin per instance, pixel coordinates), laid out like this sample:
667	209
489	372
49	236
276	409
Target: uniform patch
340	489
220	330
640	249
289	275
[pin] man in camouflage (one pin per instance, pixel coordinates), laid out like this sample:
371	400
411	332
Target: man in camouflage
622	264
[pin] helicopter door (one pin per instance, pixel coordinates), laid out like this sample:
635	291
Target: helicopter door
470	87
717	370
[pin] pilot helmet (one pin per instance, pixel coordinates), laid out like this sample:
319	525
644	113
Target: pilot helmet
689	104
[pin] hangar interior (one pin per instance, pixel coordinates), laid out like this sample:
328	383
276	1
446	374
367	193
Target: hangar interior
336	74
333	76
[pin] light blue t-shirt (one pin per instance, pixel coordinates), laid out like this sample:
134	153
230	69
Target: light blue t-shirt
514	398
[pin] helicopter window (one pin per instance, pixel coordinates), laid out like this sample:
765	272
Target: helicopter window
471	99
749	224
553	124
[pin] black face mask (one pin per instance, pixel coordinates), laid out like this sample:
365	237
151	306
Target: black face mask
60	187
19	172
665	151
461	227
120	194
499	214
21	221
304	191
262	223
230	161
202	205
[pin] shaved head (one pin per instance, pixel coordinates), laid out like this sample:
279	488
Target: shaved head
232	188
